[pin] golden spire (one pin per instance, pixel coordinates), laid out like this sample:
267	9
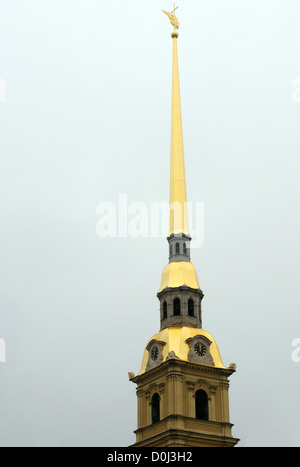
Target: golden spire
178	198
180	271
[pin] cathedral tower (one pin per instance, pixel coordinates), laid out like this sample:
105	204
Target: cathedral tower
182	386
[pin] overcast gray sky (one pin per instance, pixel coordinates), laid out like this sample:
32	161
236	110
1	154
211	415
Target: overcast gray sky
84	116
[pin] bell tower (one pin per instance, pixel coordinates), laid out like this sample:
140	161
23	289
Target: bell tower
183	385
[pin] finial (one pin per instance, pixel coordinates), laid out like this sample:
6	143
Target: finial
174	21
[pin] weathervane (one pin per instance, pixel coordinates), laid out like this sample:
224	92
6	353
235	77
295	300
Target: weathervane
174	21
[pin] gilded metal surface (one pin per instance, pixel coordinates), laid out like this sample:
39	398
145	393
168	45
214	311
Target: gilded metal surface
175	338
178	198
179	273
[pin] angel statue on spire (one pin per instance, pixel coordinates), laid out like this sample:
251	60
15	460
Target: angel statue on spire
174	21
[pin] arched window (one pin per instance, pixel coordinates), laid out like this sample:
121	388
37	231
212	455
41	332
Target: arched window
176	307
201	403
184	249
177	248
165	310
191	307
155	409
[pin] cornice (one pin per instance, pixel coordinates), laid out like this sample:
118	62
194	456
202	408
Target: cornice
180	364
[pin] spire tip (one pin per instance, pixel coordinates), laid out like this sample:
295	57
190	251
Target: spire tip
174	21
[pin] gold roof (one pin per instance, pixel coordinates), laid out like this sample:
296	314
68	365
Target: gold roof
175	338
178	273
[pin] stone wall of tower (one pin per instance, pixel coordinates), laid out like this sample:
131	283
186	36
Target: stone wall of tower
176	382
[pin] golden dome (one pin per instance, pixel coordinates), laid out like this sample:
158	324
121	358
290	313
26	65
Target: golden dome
178	273
175	339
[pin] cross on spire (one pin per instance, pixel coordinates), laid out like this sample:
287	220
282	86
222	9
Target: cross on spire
175	8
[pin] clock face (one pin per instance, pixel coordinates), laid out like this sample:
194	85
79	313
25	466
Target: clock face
154	353
200	349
